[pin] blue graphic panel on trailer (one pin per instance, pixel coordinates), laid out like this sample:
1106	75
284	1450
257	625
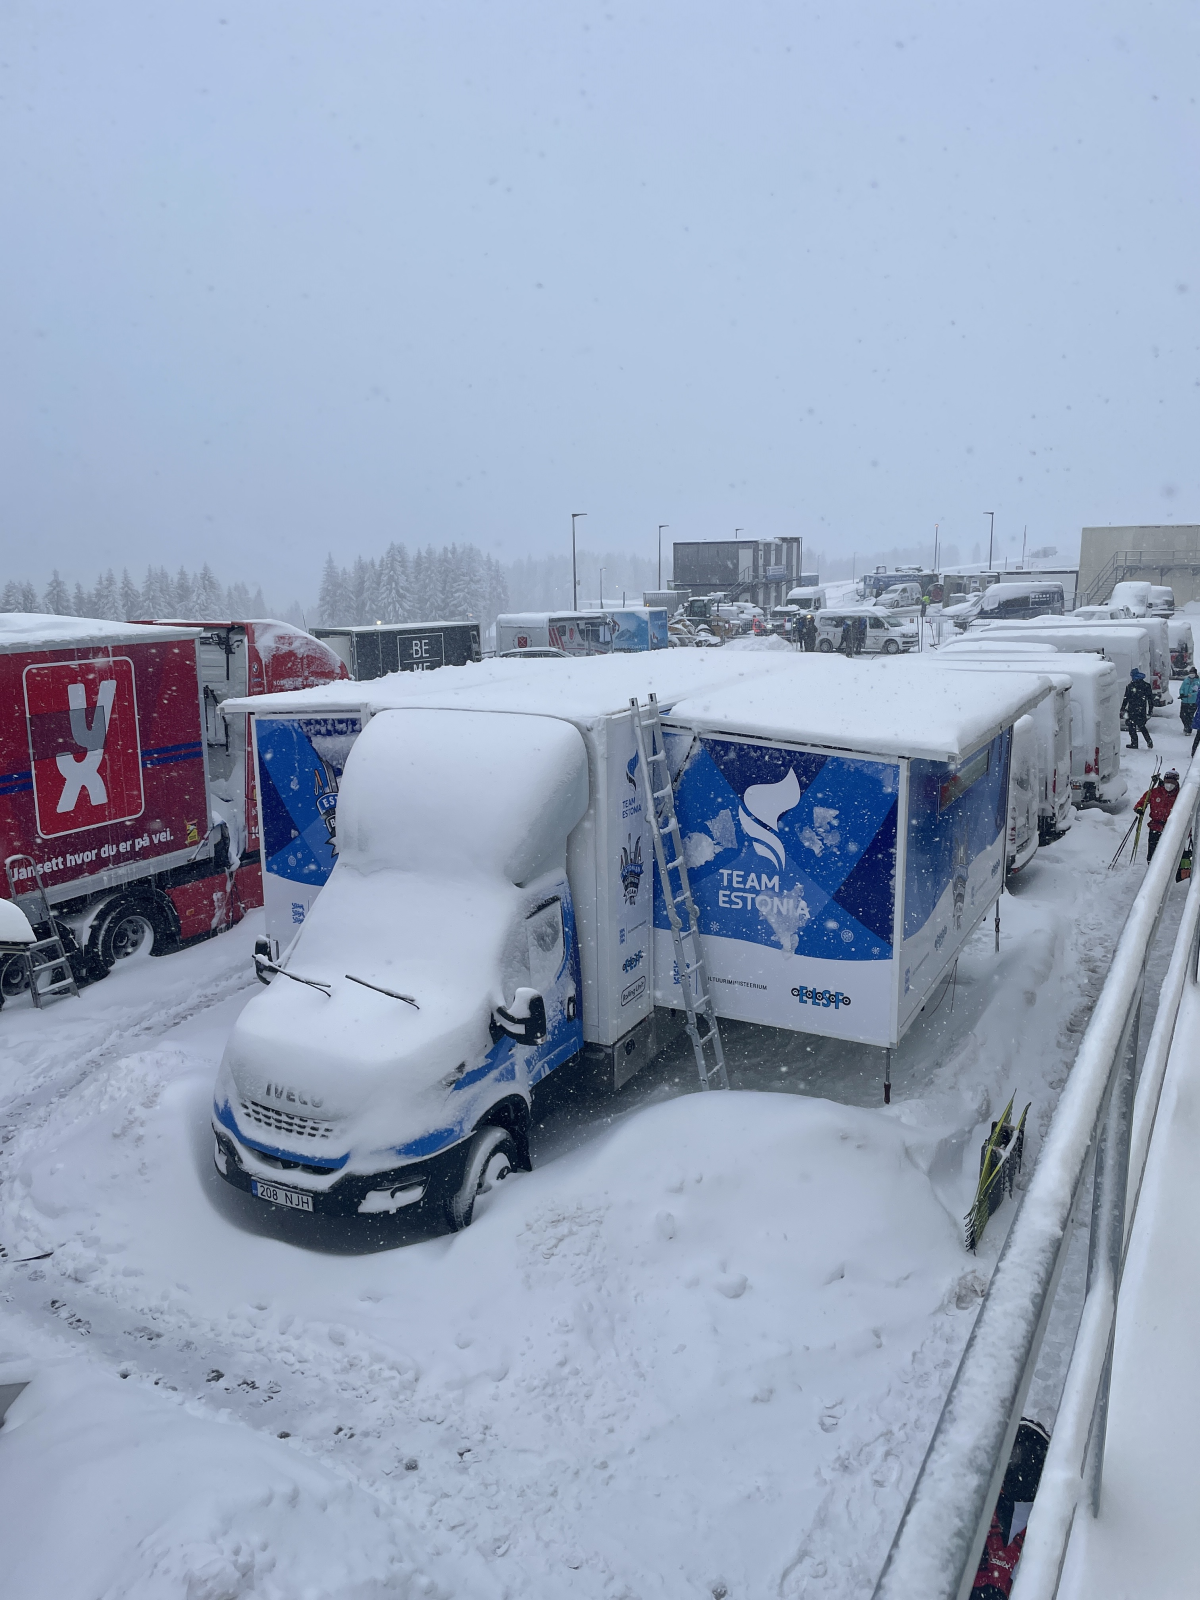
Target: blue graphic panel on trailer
300	764
790	849
955	815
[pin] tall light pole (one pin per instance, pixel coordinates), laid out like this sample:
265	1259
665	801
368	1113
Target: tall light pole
935	546
661	526
575	515
991	531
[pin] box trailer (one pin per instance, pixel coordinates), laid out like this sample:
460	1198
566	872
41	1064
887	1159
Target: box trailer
487	921
1052	724
238	658
844	832
568	633
371	652
640	628
1126	644
1095	695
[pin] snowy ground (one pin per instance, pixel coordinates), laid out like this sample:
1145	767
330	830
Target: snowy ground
697	1352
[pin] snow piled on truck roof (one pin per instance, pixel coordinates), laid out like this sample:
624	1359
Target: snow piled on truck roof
889	707
412	790
899	708
35	630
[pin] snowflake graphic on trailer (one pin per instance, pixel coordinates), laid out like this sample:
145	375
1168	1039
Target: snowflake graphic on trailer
84	744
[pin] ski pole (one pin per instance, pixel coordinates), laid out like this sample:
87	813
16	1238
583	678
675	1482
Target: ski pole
1117	853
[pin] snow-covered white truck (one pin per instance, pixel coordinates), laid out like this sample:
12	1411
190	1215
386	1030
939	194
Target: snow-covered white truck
491	914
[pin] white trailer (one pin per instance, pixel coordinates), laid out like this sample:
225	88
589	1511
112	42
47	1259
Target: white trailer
1095	694
1052	723
1125	644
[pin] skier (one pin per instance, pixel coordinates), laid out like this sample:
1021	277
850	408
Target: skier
1189	693
1136	707
1158	799
1006	1537
810	632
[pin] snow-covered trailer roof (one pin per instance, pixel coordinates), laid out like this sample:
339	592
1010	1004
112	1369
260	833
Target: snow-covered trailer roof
903	708
33	630
578	689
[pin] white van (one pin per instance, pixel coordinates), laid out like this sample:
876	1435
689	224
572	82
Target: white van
884	635
1134	595
1162	600
813	599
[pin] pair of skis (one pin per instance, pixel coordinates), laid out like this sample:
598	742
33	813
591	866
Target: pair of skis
1134	829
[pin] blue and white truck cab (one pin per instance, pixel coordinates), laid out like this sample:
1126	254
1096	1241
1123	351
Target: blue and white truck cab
391	1058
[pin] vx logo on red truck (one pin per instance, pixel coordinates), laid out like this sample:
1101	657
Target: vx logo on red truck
84	744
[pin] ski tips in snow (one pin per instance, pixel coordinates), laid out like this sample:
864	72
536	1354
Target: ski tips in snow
999	1162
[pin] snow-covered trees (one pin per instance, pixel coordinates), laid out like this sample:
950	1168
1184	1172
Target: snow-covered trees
455	582
187	596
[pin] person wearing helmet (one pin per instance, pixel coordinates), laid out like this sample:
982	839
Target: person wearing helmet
1136	708
1189	693
1157	801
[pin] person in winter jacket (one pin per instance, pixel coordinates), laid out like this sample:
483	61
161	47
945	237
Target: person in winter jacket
1157	801
1189	693
1006	1536
846	647
810	632
1136	707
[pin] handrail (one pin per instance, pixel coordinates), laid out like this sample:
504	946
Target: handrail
1125	561
937	1546
1066	1474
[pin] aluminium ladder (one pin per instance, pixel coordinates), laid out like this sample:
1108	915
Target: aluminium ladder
658	799
45	958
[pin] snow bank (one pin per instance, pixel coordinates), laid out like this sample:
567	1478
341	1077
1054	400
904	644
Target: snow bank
33	630
110	1490
650	1367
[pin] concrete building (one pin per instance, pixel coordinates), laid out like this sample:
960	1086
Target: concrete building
1167	553
761	570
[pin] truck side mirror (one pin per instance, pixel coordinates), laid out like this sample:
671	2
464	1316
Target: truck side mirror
262	952
526	1022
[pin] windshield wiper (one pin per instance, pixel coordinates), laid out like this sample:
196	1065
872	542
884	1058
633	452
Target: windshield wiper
264	965
379	989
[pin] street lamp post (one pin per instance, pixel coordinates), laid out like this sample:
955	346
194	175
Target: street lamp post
661	526
991	531
575	515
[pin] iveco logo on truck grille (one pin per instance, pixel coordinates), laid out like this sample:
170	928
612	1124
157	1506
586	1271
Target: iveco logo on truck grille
280	1091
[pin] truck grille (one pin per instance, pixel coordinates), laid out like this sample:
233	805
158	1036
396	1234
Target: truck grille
280	1121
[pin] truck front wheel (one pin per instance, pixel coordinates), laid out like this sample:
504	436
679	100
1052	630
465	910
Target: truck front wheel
491	1155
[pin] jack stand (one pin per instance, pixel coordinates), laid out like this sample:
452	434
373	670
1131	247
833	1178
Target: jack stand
997	924
887	1077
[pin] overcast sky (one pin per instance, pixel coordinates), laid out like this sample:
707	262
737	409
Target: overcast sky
278	278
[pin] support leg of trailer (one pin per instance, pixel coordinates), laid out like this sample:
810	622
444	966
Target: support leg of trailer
997	924
887	1077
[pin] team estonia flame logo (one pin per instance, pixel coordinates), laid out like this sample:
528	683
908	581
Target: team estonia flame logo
762	806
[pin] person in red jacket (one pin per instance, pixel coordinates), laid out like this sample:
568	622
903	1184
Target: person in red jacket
1157	800
1006	1536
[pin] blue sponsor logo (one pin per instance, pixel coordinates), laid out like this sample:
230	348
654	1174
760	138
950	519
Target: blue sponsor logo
822	997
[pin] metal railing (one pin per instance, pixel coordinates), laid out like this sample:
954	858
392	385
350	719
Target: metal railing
937	1546
1126	563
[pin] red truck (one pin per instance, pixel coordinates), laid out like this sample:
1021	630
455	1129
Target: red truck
128	815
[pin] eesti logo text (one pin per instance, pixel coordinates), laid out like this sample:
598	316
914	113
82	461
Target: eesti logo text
822	997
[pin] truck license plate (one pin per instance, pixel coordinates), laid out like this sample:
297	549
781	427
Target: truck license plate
292	1198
